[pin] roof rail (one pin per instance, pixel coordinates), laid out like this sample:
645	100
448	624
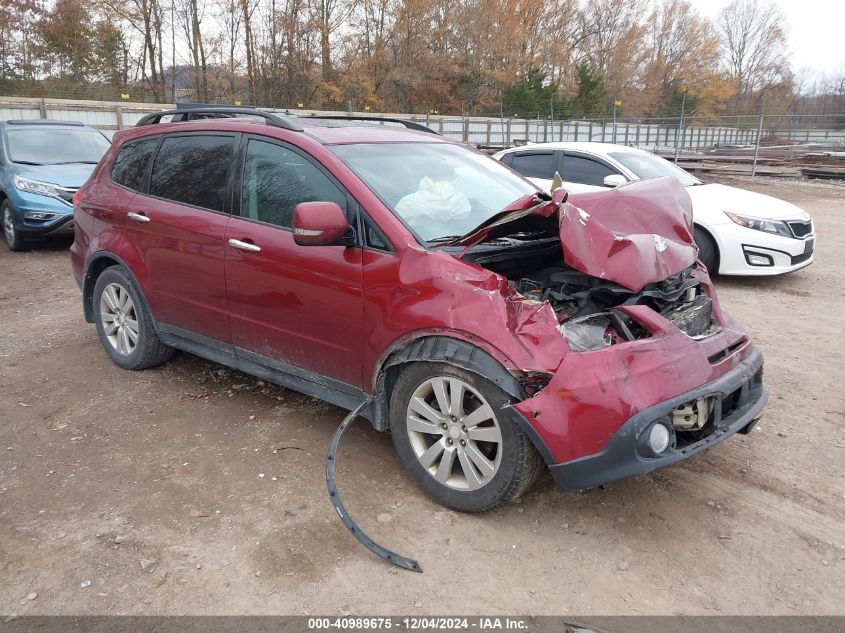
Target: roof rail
222	112
411	125
43	122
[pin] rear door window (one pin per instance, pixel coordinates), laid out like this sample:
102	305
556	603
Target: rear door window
276	179
535	164
193	170
585	171
131	163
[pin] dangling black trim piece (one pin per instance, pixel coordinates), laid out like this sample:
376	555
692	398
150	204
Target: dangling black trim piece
334	496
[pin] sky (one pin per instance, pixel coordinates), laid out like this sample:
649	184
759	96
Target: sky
816	30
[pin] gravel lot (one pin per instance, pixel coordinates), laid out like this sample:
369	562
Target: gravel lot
192	489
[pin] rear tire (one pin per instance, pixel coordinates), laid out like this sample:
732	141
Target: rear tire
14	240
124	324
475	435
708	252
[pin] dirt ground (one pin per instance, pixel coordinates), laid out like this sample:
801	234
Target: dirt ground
192	489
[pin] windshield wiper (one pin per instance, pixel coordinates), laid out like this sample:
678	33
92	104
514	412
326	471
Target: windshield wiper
26	162
444	238
74	162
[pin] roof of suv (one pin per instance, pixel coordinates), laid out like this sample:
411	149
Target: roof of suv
325	131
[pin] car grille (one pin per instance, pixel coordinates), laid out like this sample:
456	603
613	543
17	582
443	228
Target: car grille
801	228
797	259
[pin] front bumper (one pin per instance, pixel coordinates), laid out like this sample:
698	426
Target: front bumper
744	251
740	396
60	222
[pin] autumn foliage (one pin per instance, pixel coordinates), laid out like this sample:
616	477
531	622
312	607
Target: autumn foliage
531	58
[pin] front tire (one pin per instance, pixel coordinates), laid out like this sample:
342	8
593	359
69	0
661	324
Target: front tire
708	252
457	441
14	240
124	324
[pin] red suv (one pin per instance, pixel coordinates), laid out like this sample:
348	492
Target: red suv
496	329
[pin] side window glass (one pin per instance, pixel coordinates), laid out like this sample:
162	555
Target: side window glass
584	170
277	179
131	163
192	170
535	165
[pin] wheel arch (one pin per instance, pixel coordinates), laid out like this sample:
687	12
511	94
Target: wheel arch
716	244
99	263
457	352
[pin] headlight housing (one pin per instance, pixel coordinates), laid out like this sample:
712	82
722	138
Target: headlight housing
587	333
775	227
36	187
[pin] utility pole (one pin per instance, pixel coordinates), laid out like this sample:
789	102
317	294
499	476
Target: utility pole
616	104
502	120
173	49
680	126
759	133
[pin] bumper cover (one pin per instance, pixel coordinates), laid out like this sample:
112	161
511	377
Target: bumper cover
740	390
60	226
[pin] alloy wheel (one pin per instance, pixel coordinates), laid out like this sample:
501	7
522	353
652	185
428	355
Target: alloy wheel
454	433
119	319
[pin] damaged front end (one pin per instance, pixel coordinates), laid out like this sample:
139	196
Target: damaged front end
631	246
588	309
655	370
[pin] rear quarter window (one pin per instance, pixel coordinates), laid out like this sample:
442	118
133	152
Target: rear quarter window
131	163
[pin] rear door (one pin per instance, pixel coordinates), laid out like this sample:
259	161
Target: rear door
296	308
179	227
538	166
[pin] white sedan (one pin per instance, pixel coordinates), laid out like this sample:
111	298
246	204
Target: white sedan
738	232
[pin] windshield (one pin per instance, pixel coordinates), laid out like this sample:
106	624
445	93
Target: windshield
647	166
53	146
438	189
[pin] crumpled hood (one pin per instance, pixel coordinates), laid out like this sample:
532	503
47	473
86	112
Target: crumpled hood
72	175
633	235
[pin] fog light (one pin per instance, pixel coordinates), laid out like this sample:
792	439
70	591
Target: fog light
755	259
658	438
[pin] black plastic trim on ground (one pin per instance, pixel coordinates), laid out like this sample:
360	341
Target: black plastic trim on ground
334	496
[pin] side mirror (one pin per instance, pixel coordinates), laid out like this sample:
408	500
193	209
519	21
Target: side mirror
614	180
320	224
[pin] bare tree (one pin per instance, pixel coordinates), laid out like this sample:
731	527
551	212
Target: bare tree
192	16
753	40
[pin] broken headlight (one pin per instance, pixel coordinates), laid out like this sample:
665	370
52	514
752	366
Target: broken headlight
775	227
587	333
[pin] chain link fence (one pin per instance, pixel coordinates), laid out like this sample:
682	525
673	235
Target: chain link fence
739	138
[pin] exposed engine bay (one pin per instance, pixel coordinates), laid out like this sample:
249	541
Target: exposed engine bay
586	306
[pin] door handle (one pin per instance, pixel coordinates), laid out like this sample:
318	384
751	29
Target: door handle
245	246
138	217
